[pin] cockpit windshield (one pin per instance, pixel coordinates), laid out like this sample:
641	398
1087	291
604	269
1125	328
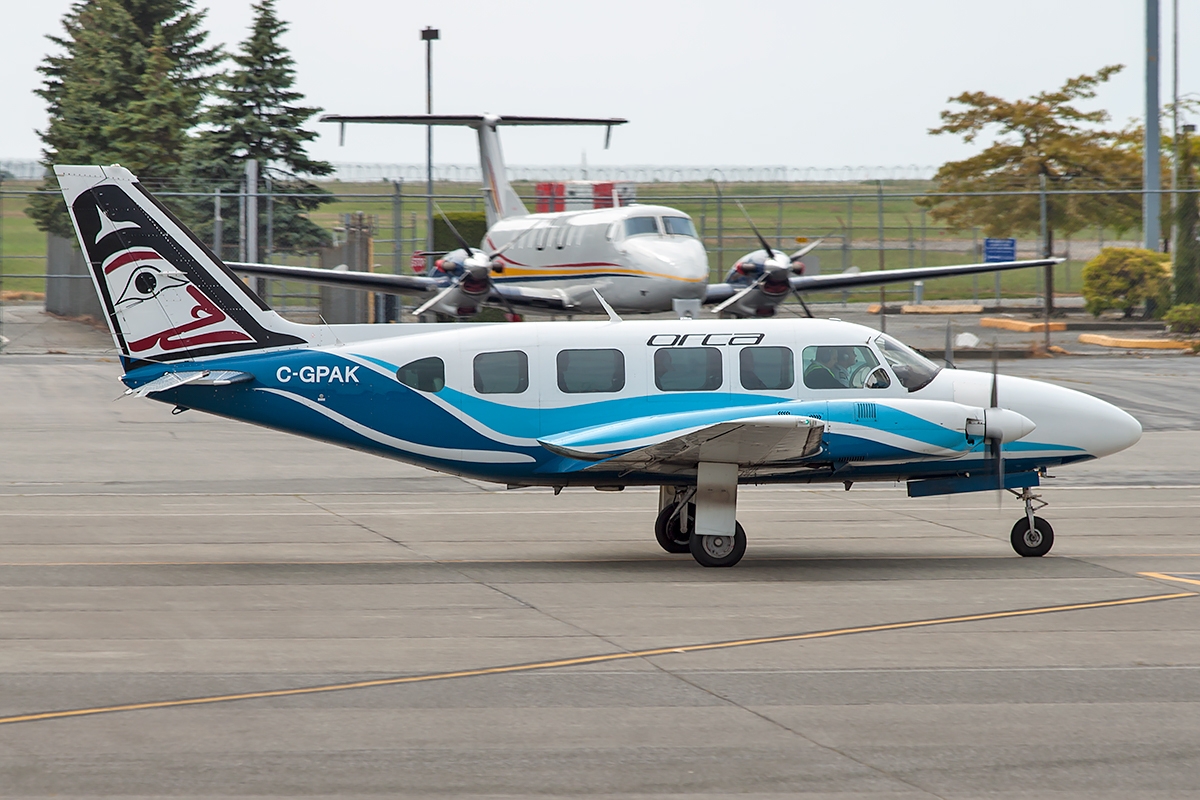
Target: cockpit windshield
635	226
913	370
680	226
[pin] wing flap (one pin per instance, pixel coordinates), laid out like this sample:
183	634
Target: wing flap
748	442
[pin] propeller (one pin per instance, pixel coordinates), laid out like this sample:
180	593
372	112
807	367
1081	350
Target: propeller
996	442
773	268
476	267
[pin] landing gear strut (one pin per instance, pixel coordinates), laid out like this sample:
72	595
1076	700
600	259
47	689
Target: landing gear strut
1031	536
700	519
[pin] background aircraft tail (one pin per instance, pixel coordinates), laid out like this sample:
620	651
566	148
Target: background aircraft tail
501	200
167	297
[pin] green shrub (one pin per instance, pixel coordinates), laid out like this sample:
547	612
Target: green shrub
1184	318
1125	278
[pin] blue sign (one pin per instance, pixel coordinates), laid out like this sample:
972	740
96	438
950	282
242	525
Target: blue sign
999	250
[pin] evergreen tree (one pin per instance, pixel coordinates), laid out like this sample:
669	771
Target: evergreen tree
89	86
149	137
257	115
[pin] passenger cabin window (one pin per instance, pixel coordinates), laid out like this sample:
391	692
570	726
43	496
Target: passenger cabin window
635	226
582	371
767	368
679	226
913	370
687	369
424	375
843	367
506	372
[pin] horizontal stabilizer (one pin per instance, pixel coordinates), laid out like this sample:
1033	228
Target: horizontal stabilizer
469	120
215	377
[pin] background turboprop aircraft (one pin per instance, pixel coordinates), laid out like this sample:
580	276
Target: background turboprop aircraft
639	257
695	408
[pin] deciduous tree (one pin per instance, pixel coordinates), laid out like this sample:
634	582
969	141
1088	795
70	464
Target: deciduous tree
1047	134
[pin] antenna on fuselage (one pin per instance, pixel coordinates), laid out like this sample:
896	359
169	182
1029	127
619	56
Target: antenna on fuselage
613	316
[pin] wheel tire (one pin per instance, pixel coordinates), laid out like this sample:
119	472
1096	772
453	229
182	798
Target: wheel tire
667	529
719	551
1035	543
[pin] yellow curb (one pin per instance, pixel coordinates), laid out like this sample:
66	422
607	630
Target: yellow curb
1134	344
942	309
1006	324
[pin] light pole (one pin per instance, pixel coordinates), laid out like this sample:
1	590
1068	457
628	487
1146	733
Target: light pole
429	36
1151	176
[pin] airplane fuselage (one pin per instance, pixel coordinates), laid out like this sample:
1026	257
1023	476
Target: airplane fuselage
545	403
639	258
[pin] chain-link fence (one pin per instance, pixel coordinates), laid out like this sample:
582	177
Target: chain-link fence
876	225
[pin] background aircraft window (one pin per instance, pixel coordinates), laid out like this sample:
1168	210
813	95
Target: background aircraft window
591	371
425	374
638	225
767	368
502	373
687	369
680	226
841	367
913	370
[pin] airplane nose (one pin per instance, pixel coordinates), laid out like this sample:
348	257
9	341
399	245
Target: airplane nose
1115	431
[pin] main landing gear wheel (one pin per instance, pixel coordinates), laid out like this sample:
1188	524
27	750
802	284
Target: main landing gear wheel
1032	542
719	551
668	528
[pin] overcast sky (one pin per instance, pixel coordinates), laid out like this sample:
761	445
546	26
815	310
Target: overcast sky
780	82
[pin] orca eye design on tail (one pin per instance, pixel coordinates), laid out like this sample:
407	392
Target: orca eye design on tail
168	297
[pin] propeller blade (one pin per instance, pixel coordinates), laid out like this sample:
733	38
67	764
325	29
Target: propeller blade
718	309
516	238
431	302
808	248
453	230
800	300
753	227
995	371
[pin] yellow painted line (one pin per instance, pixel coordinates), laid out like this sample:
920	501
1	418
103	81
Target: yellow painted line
1134	344
584	660
1164	577
934	308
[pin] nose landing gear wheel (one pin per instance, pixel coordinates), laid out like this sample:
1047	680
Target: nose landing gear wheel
1035	542
719	551
668	528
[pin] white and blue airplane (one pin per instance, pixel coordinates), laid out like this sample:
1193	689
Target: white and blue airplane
694	407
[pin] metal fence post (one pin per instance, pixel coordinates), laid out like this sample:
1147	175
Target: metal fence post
2	264
218	224
882	266
251	237
848	239
270	220
779	223
974	258
391	303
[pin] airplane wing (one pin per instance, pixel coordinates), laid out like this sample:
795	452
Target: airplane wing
720	292
749	442
818	283
521	298
342	279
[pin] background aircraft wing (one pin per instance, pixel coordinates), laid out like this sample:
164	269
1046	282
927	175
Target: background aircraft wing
748	442
342	279
845	280
720	292
515	298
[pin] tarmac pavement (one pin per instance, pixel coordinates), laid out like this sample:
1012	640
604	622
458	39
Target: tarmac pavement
193	607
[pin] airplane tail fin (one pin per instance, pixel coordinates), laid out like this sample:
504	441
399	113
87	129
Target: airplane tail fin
501	200
166	296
